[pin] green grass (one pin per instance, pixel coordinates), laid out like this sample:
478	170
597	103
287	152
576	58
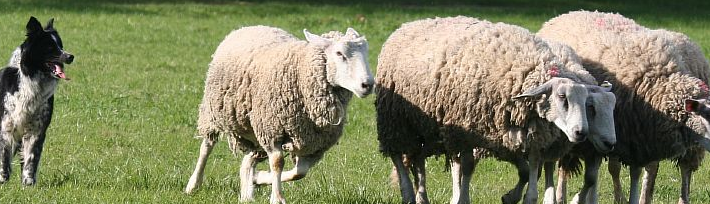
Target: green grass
124	125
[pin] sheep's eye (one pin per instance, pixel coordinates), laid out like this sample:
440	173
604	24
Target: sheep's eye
562	96
340	54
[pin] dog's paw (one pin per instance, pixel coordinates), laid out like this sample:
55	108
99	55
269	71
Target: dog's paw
28	181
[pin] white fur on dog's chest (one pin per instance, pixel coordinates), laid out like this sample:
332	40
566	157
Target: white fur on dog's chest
25	108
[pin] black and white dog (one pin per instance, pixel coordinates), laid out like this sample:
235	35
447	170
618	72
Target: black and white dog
27	96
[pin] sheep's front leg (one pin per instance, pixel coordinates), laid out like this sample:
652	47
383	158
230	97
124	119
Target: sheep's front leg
32	145
405	184
419	174
196	178
686	173
515	194
462	166
635	173
534	161
561	194
648	182
614	171
588	194
276	164
549	183
246	176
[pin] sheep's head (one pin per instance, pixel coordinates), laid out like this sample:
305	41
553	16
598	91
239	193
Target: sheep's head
346	57
600	117
565	106
701	108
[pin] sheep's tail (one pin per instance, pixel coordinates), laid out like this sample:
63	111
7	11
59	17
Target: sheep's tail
571	165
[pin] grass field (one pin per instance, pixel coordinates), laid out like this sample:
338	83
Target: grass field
123	126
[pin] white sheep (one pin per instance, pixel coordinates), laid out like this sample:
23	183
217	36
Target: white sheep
600	104
654	72
448	85
269	92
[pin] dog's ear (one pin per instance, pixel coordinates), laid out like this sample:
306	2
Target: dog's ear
50	24
33	26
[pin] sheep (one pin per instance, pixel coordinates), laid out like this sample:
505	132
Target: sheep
600	120
268	92
653	71
494	86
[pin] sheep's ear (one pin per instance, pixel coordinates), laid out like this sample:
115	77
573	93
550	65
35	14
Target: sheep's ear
544	88
352	31
33	26
692	105
312	38
50	24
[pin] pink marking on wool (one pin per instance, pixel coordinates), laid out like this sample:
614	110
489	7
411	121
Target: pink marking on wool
703	86
553	71
599	22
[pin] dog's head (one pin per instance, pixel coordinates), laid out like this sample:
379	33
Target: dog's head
43	51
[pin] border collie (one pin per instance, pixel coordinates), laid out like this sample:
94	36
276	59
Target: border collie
27	96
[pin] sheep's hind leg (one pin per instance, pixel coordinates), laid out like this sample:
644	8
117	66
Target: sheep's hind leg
649	182
635	173
299	171
276	163
614	171
196	178
405	184
246	176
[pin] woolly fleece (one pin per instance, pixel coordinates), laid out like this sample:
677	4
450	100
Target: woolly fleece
265	87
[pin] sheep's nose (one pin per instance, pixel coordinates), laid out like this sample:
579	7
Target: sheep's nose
608	144
366	85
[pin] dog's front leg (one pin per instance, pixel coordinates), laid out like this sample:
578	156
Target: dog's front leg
6	153
32	145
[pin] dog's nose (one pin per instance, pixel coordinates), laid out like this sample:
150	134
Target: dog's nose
70	59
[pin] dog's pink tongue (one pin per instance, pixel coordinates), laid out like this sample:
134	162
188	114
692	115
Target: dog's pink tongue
59	72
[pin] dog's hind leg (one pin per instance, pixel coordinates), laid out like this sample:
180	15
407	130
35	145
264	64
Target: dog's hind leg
31	152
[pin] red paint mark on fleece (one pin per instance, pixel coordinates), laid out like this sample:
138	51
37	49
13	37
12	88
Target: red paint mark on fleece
553	71
704	87
600	22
